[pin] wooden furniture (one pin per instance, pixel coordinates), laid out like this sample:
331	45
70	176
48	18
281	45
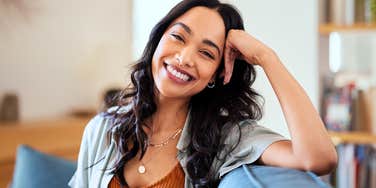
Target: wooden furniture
60	137
348	137
352	137
326	29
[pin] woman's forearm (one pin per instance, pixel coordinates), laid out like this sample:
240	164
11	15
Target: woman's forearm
310	140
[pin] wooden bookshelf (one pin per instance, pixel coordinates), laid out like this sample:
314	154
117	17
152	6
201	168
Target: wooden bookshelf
326	29
352	137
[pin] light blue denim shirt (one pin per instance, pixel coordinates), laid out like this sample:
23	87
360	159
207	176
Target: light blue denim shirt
96	147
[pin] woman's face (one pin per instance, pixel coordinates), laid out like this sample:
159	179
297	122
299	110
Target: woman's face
189	53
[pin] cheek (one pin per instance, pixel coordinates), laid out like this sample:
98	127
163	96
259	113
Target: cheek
156	56
207	72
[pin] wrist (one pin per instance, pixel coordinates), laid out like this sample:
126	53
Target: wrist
267	57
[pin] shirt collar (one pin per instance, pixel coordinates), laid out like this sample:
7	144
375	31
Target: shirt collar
184	138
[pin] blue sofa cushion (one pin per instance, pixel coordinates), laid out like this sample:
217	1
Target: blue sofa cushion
39	170
259	176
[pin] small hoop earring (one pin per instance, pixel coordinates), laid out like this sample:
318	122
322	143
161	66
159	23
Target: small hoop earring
211	85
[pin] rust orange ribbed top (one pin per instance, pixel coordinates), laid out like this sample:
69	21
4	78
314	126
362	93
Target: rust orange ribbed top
174	179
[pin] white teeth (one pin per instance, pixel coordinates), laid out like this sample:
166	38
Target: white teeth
185	77
178	74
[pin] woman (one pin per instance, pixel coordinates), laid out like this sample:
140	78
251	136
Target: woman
190	117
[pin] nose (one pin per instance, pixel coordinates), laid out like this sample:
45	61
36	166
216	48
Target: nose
186	57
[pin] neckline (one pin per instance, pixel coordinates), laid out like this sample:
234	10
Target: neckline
183	140
176	166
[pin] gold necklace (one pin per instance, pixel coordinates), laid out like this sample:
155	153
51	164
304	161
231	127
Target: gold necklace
142	167
167	140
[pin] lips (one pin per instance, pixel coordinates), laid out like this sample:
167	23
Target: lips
179	74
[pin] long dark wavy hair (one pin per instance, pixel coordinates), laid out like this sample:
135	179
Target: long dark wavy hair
210	109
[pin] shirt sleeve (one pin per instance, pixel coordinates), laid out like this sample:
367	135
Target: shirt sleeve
80	178
253	140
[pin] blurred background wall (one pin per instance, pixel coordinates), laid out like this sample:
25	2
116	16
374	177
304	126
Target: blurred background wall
61	55
290	28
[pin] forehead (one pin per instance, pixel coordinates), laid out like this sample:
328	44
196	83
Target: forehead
204	23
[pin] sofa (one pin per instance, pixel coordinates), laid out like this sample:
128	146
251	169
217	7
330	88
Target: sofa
35	169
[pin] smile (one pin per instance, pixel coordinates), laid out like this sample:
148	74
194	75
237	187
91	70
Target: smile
178	73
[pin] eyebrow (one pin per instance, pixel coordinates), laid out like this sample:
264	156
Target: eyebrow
205	41
185	27
212	44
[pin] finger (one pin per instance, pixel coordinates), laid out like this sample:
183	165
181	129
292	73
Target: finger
229	64
222	74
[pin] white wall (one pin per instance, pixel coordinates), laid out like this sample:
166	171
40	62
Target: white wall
290	28
59	55
147	13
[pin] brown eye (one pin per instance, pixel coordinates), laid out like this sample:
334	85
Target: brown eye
177	37
207	54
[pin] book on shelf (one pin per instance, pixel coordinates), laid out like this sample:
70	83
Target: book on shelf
356	166
349	12
350	109
365	114
337	108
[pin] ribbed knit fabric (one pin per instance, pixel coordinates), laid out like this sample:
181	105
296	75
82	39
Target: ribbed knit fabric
174	179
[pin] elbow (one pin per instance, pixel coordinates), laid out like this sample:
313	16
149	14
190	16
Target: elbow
322	165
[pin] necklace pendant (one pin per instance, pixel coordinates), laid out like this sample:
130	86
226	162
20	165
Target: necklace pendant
141	169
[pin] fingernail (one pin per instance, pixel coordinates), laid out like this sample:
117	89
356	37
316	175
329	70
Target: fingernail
225	82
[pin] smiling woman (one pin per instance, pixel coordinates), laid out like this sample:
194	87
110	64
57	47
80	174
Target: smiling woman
190	117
